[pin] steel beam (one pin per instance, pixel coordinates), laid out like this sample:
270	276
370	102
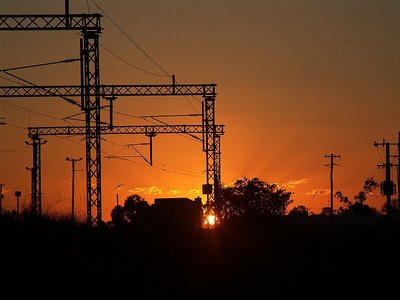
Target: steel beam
204	90
42	22
140	129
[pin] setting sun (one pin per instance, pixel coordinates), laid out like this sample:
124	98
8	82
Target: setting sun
209	221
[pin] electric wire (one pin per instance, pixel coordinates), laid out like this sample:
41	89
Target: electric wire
142	50
88	6
51	173
32	111
319	186
133	161
189	135
30	83
18	150
9	136
379	154
69	60
163	164
15	126
8	79
130	39
128	63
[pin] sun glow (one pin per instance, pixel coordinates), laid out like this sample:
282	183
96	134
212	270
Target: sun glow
210	221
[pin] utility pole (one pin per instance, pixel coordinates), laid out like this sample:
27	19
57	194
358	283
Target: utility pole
32	186
73	161
116	189
398	175
17	195
331	164
1	198
387	187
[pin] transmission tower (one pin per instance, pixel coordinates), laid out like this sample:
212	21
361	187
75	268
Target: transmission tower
91	91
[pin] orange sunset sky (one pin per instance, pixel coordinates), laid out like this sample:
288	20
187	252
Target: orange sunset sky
296	80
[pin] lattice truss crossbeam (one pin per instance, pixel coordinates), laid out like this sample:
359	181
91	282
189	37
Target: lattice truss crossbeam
109	90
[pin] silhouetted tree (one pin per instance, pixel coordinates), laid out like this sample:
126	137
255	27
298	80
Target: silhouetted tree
251	198
299	210
136	211
358	207
118	216
325	211
393	206
131	204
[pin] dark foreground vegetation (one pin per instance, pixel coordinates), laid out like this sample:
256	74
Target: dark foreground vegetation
246	259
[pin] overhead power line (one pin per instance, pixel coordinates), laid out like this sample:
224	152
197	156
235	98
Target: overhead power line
130	64
30	83
130	39
70	60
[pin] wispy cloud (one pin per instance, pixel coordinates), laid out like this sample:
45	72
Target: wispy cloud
175	192
194	191
229	184
152	190
321	192
293	183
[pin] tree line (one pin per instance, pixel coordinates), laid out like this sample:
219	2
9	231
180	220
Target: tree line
253	199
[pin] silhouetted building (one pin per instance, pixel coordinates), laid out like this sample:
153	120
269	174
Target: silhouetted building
178	213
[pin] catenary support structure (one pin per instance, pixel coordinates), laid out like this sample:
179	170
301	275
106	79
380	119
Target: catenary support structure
91	91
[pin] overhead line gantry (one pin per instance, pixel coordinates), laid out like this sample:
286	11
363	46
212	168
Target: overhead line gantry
91	91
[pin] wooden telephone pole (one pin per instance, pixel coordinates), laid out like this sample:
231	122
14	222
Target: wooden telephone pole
73	161
331	164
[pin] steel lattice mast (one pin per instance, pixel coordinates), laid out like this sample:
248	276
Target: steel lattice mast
91	92
89	25
36	175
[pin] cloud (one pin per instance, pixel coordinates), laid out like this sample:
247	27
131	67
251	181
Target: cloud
175	192
152	190
194	191
321	192
231	184
293	183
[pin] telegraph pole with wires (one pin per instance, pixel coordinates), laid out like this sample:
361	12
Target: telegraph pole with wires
73	161
398	174
387	187
331	165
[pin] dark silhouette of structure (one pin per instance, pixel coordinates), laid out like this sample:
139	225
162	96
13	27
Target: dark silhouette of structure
388	187
36	173
331	165
73	162
177	213
17	195
91	91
